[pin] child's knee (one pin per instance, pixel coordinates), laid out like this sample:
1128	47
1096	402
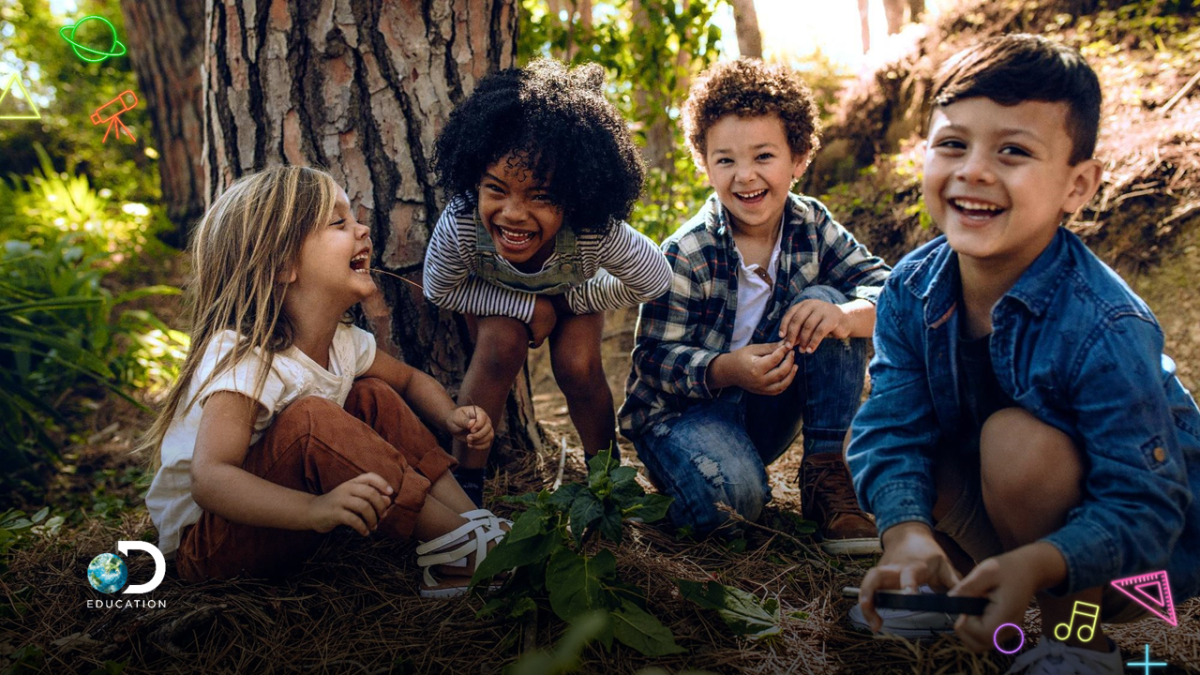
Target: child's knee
576	370
721	484
1022	458
824	293
308	410
502	345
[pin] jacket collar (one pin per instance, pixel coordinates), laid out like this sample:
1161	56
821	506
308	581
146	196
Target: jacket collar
936	278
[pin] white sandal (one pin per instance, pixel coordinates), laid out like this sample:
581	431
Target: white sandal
453	548
487	516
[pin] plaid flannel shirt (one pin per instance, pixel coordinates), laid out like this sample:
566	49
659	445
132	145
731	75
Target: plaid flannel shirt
681	332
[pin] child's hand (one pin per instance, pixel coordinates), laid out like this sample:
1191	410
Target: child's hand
471	424
358	503
765	369
810	321
911	558
544	319
1008	586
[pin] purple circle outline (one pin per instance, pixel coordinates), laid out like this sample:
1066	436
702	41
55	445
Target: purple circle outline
996	641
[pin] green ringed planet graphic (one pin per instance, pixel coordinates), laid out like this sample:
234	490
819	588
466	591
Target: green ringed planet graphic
93	55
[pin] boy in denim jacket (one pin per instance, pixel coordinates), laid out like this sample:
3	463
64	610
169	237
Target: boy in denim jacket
765	323
1024	428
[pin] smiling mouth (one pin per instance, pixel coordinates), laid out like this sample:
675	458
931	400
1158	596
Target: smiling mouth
976	210
751	197
361	262
514	238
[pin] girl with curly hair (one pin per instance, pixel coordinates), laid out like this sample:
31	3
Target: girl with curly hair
541	173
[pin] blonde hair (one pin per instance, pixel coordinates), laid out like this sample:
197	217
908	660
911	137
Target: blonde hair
241	250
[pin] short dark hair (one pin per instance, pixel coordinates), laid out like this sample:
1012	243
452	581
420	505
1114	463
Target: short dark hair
750	88
1012	69
556	123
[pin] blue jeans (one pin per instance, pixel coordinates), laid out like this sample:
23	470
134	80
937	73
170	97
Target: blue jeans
718	450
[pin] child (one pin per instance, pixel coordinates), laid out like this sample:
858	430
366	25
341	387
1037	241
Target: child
752	337
541	170
1023	418
258	456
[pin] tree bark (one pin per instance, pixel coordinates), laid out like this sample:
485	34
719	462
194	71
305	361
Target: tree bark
360	88
894	11
864	19
749	36
166	46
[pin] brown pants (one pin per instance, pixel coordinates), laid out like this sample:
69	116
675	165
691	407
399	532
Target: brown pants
314	446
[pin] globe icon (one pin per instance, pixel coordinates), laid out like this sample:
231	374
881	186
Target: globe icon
107	573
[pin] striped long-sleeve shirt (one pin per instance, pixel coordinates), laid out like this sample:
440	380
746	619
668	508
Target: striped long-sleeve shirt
621	268
680	333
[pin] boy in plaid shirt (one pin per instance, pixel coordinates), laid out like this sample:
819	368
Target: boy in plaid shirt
764	326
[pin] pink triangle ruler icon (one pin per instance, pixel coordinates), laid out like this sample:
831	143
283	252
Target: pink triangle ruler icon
1151	591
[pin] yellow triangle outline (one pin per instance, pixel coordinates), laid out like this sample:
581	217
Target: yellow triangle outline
32	106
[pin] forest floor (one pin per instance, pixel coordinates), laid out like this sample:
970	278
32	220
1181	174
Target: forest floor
353	607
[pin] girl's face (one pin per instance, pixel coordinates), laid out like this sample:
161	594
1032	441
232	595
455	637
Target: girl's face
335	260
516	210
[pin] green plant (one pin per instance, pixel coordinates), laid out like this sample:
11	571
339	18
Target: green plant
61	325
554	553
741	611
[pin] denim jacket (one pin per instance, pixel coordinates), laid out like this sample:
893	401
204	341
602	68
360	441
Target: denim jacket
1073	345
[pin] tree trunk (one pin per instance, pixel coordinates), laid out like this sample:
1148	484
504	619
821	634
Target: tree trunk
166	45
916	10
361	88
863	17
749	37
894	11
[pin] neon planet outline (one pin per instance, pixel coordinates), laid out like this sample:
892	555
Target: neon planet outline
75	46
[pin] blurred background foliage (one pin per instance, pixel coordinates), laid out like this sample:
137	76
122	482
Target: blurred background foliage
652	50
78	256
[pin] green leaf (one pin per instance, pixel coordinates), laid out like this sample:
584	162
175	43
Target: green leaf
610	523
565	495
584	513
653	508
576	583
531	523
741	611
510	554
565	657
638	629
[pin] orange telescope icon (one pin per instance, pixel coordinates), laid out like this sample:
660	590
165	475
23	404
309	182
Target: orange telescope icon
111	112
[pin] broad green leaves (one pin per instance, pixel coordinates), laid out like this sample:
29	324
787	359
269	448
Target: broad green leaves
741	611
547	552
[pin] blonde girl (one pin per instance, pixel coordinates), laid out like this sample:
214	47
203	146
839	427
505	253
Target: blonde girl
286	422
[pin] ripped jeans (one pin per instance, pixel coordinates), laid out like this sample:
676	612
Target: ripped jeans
717	451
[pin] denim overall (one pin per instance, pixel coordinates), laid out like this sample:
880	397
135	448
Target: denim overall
565	273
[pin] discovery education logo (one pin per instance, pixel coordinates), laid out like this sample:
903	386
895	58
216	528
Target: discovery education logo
108	574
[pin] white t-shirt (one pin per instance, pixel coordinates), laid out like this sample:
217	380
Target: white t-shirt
753	294
293	375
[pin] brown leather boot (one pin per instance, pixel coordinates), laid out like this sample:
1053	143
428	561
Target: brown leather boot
827	498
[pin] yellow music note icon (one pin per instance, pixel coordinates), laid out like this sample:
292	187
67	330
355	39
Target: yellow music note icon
1085	610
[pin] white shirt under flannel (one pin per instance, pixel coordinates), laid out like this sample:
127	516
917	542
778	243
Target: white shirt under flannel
681	332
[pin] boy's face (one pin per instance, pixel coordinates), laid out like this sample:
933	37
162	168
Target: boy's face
516	210
998	178
751	166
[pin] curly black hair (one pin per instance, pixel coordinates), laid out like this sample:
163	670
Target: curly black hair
750	88
555	122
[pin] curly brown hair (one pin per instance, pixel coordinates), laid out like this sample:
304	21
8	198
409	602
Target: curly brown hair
750	88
